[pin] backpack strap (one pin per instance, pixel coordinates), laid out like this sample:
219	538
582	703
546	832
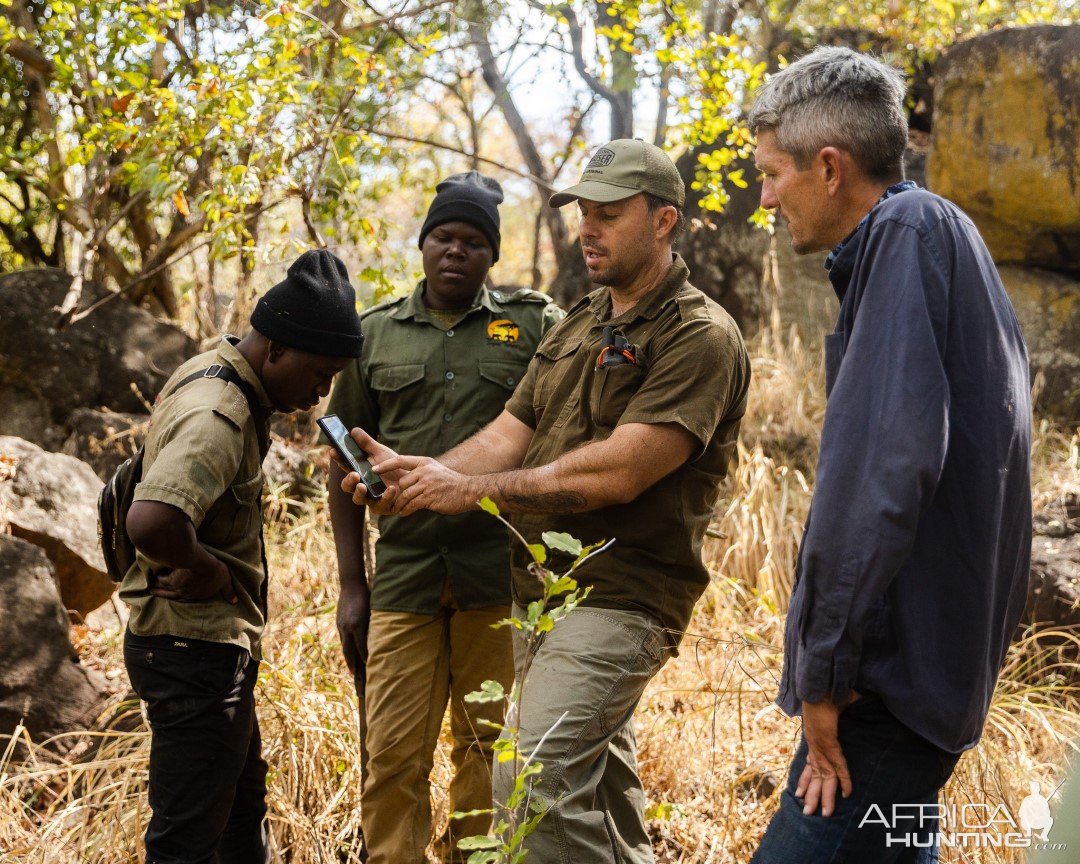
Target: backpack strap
226	373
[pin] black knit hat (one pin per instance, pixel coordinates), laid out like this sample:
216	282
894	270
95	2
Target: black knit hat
313	309
470	197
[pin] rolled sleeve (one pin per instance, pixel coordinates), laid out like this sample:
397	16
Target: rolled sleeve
520	404
197	457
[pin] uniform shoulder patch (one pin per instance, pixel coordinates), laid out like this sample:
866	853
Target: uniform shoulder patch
233	406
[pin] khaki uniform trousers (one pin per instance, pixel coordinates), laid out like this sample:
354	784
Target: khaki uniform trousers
416	664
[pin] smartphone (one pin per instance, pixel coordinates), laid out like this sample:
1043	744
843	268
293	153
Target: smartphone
351	454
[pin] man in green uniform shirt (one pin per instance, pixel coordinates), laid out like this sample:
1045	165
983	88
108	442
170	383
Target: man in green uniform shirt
197	591
621	429
436	366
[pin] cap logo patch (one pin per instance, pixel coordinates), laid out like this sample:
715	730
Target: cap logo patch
503	330
602	159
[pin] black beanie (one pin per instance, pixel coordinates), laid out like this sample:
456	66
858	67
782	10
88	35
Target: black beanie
470	197
313	309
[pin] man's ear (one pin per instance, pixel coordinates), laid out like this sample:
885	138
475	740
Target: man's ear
665	221
275	352
833	168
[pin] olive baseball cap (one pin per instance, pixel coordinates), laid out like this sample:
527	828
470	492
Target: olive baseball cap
622	168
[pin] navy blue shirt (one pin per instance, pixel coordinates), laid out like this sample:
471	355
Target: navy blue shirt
913	569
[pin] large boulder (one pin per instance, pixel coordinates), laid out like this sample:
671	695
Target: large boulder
42	683
1054	589
118	357
1006	141
50	500
104	439
1048	307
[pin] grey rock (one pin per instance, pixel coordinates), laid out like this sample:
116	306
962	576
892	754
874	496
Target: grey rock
104	439
42	683
118	357
50	500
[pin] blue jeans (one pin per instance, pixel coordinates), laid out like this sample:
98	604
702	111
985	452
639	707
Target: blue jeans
889	765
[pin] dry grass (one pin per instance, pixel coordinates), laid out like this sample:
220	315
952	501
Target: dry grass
712	744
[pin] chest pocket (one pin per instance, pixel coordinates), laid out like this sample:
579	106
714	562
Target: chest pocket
554	377
400	397
502	373
611	392
235	515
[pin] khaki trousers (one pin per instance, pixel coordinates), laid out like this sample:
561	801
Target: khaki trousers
416	664
581	687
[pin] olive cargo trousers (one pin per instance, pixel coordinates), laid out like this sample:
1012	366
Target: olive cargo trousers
416	664
582	685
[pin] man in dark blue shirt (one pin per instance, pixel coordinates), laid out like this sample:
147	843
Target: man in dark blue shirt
913	568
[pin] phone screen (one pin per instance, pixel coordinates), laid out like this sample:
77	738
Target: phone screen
351	453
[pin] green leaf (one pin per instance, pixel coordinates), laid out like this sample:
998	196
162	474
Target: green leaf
478	842
489	506
562	542
490	691
539	553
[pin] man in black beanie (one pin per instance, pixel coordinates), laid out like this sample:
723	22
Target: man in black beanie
197	591
436	365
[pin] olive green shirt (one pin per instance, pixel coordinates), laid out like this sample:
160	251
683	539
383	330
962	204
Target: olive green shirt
202	457
692	370
423	386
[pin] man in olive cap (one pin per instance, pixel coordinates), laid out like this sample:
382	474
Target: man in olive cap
197	591
437	364
622	429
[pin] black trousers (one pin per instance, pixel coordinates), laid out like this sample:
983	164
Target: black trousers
207	775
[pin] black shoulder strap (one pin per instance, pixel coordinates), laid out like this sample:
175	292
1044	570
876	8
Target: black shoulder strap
219	370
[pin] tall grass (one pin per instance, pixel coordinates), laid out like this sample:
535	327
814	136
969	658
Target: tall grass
713	747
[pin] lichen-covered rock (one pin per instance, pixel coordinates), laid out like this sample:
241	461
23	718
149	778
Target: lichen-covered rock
1048	307
1054	590
50	500
42	683
1006	141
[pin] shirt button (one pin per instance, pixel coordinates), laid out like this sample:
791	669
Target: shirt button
449	332
448	417
449	376
510	381
444	549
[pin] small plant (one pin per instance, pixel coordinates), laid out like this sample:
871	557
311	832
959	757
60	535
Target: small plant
517	817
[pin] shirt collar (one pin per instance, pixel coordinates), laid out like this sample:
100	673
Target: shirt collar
228	352
650	304
895	189
414	307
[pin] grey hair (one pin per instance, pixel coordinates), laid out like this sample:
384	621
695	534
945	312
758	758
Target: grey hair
836	97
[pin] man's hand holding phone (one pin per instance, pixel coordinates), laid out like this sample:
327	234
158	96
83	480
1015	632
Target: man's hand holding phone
354	484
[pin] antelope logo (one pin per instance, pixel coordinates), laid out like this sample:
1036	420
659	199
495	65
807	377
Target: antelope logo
503	330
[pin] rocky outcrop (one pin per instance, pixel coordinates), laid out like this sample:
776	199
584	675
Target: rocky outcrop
1006	141
118	357
50	500
104	439
1054	590
1048	307
42	683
